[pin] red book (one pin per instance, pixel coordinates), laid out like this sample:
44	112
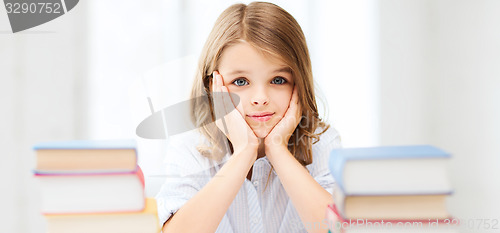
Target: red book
92	193
337	224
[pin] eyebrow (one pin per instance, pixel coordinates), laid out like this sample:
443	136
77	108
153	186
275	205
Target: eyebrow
279	70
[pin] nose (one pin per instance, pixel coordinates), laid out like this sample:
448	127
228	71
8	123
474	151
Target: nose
260	98
259	102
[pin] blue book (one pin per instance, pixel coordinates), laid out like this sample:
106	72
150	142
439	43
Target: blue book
87	144
86	156
391	170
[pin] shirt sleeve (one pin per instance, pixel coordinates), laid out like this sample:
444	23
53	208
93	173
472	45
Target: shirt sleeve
319	169
183	179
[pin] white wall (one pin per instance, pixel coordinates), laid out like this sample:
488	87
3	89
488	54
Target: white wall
42	86
404	50
440	81
345	58
467	101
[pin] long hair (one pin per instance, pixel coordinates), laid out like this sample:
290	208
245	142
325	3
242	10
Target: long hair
273	31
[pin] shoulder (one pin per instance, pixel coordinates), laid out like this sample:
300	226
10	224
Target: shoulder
182	153
328	141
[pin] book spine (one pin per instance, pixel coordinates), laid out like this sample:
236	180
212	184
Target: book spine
140	175
100	173
137	172
336	165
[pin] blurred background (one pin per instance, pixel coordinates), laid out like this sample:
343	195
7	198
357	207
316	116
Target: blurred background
390	72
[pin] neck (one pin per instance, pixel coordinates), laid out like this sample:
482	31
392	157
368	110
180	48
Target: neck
261	152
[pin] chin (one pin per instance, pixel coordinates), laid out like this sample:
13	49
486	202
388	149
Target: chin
262	132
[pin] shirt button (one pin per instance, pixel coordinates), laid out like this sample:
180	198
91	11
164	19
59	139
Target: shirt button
256	183
255	220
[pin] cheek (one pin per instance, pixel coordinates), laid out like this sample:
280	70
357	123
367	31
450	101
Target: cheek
240	100
282	100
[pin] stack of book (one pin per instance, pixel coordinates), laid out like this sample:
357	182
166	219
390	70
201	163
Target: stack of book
93	186
390	189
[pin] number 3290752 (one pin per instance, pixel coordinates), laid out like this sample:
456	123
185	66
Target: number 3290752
33	8
479	223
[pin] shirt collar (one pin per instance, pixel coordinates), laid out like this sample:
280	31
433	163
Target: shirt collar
265	162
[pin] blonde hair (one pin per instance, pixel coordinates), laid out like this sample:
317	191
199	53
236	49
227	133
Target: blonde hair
273	31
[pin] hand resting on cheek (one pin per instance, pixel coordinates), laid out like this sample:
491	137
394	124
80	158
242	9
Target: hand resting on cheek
229	119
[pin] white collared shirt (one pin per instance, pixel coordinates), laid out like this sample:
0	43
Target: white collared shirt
254	209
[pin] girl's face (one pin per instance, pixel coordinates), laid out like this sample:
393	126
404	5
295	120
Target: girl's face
264	85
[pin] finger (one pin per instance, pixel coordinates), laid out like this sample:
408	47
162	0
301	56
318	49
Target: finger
235	115
293	102
214	82
219	108
228	99
213	93
215	96
235	99
226	131
235	102
222	102
294	109
222	93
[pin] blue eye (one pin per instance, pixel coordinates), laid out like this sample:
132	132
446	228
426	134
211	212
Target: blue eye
278	80
240	82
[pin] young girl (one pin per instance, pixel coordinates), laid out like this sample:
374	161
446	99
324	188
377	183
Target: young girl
263	165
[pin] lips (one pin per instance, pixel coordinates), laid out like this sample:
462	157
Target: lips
261	116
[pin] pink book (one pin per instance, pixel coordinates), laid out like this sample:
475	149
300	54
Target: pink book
74	193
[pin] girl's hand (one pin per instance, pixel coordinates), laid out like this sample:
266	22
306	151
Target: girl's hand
280	134
229	119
